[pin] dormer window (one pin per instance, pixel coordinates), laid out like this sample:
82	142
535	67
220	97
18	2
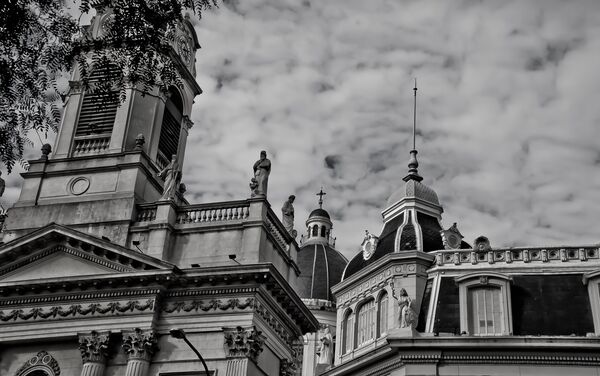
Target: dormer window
485	304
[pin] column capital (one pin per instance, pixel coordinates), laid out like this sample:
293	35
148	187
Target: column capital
140	344
94	346
244	342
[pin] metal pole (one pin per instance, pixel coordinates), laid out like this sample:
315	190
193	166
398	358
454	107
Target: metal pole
197	353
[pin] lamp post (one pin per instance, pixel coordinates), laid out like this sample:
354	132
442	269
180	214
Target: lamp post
180	334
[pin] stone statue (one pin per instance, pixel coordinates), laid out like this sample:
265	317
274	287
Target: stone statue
325	350
140	140
262	169
287	212
408	317
171	175
253	187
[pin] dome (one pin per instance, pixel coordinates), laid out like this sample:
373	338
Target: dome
414	189
321	267
319	213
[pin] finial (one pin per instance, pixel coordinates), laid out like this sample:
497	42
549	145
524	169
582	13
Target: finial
413	164
321	194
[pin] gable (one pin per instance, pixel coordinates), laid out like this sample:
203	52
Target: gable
56	265
56	251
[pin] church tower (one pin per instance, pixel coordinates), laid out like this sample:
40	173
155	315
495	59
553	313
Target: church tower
108	153
321	267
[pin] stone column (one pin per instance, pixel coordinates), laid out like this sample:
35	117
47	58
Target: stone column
94	352
243	344
140	346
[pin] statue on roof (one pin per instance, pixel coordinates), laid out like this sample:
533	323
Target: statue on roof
287	214
408	317
172	176
262	169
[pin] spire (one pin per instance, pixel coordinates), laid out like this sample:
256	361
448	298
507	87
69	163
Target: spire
321	194
413	164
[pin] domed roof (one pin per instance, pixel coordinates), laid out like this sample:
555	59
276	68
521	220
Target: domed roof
414	189
321	267
319	213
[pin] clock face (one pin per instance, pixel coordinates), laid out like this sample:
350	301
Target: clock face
453	241
184	50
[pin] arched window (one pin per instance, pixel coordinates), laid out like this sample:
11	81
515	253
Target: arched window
168	142
323	230
383	314
348	332
315	230
365	330
41	364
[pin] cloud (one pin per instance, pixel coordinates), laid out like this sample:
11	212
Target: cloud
508	124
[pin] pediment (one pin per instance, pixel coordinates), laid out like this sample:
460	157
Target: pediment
57	252
57	265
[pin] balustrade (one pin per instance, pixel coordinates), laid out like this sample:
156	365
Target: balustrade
205	214
516	255
91	144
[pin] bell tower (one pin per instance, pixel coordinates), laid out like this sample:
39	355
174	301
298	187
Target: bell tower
110	148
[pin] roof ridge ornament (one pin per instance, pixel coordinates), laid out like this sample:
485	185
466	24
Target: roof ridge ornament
413	164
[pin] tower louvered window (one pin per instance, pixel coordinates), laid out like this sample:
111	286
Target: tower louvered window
98	110
97	113
168	142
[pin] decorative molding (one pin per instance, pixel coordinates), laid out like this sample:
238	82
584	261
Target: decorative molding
212	305
517	256
287	367
94	346
57	312
244	342
276	234
42	361
78	296
274	323
187	122
553	359
210	291
140	344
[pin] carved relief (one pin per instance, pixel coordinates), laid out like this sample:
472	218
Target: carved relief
213	304
58	312
140	344
287	368
94	347
42	361
244	342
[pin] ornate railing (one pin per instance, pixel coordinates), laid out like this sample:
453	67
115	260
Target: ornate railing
91	144
206	213
146	213
517	255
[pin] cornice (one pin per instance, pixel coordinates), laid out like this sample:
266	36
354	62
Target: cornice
80	296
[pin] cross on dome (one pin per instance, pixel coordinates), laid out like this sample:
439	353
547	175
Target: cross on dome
321	194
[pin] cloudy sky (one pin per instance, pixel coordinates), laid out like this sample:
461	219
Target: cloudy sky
508	114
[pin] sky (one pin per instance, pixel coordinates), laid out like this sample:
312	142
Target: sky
508	120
